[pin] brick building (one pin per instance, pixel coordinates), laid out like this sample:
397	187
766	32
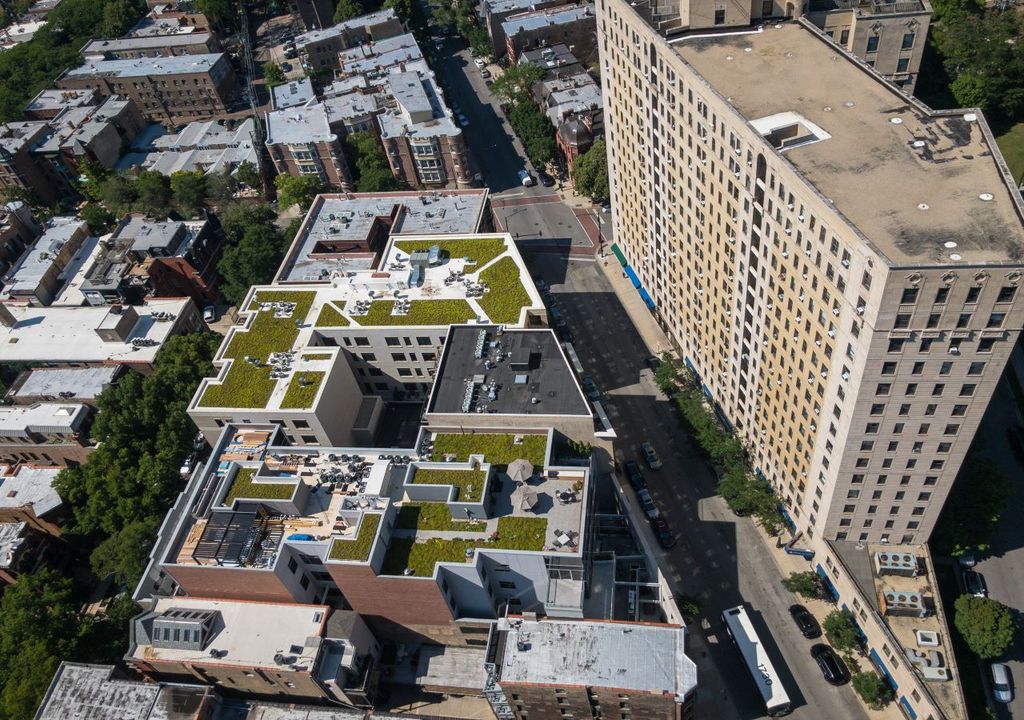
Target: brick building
151	46
572	25
168	90
319	48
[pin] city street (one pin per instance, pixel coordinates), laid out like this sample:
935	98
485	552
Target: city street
705	563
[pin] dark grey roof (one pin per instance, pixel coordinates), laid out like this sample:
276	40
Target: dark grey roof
526	369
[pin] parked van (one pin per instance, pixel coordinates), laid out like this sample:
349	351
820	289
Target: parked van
525	179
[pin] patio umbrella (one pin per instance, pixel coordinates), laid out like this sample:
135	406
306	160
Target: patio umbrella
520	470
528	500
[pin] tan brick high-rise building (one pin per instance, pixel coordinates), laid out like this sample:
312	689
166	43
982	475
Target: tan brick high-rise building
839	265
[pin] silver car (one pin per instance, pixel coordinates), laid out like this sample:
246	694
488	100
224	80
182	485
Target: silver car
1001	687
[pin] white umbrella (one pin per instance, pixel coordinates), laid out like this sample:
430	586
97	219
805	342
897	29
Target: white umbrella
528	500
520	470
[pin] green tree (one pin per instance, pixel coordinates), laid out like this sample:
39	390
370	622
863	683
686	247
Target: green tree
985	58
590	173
841	631
98	218
126	552
411	12
220	188
236	218
346	10
986	625
154	192
249	175
220	11
979	497
251	262
369	164
188	188
535	131
666	377
119	16
805	584
92	175
513	87
297	190
273	75
873	690
117	192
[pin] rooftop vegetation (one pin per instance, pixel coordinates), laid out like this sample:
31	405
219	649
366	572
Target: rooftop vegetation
497	449
245	488
302	390
469	484
506	296
359	547
316	356
421	312
482	250
433	516
330	316
514	533
245	384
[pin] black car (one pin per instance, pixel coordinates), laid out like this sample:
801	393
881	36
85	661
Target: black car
832	668
809	627
545	179
662	531
635	476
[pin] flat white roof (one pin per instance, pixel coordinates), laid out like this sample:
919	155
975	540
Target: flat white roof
252	633
363	21
296	92
139	67
30	485
68	334
39	257
144	42
562	15
81	383
16	420
598	654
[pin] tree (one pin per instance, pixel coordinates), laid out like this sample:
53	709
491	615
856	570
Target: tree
986	625
188	187
346	10
841	631
590	173
251	262
985	59
535	131
220	187
97	217
873	690
154	192
369	164
297	190
249	175
979	497
126	552
236	218
411	12
118	17
666	376
513	87
117	192
273	75
220	11
806	584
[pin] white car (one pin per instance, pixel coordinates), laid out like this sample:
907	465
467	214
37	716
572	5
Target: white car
479	62
525	179
463	122
1001	687
209	313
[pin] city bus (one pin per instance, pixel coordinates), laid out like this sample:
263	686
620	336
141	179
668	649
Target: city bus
755	657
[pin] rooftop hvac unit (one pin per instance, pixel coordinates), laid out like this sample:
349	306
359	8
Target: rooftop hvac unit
910	604
897	563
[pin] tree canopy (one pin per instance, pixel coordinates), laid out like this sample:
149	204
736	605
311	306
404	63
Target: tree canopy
188	188
253	249
984	57
806	584
986	625
368	163
590	173
841	631
346	10
297	190
248	174
978	499
535	131
273	75
873	690
513	87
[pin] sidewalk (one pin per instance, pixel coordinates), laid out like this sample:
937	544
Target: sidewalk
655	340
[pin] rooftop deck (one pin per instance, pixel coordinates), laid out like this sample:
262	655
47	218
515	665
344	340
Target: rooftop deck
951	180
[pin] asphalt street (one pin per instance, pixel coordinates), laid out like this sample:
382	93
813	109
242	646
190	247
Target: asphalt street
705	562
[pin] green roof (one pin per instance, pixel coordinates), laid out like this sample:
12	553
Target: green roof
514	533
497	449
421	312
433	516
359	547
505	297
482	250
243	487
246	385
469	484
330	316
301	395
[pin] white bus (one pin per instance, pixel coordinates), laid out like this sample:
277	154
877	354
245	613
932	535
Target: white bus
742	632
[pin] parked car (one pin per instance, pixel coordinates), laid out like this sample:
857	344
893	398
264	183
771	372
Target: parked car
663	532
209	313
1001	686
968	559
590	388
545	179
286	67
634	475
974	583
565	334
463	122
650	456
525	179
479	62
647	503
485	73
186	466
291	54
808	626
832	668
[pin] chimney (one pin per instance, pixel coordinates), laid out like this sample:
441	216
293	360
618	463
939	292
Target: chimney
6	318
